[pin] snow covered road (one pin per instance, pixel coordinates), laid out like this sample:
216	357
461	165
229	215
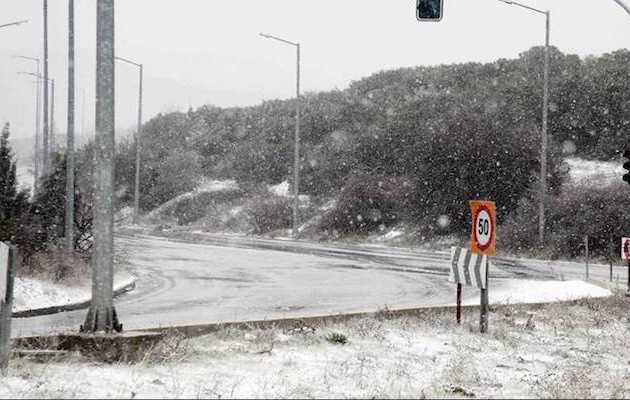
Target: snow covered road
183	283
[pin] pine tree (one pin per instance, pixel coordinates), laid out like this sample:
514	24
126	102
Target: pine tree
13	203
43	225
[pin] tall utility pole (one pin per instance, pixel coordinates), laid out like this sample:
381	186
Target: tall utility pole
543	147
102	314
296	155
45	155
543	155
38	146
70	141
136	196
51	133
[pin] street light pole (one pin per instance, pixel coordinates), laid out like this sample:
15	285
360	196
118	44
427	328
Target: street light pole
70	141
296	155
136	196
543	163
102	314
545	114
52	105
45	157
51	134
37	128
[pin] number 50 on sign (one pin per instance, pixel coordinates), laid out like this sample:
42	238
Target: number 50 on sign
483	230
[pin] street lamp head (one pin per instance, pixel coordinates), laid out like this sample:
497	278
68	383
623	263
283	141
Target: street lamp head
27	73
506	1
25	57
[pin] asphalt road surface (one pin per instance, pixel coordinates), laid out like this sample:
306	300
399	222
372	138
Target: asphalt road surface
224	279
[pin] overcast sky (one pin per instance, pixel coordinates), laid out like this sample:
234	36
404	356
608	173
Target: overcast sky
209	51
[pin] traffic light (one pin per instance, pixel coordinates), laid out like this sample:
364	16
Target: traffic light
429	10
626	166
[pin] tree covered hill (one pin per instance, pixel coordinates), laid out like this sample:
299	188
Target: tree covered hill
447	133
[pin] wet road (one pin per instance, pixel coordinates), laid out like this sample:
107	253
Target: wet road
191	283
226	279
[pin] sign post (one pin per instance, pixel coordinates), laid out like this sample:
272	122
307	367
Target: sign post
467	268
459	303
483	241
8	267
625	255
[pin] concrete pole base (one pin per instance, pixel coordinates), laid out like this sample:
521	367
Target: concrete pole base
101	320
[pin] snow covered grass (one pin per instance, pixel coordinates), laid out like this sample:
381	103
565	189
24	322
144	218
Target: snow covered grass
520	291
33	293
206	186
559	350
587	172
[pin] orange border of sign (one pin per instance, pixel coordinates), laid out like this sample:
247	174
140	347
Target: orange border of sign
476	206
624	255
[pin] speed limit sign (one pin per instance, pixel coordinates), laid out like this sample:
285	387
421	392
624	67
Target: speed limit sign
484	227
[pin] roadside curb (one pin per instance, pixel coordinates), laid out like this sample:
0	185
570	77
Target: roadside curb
71	306
298	322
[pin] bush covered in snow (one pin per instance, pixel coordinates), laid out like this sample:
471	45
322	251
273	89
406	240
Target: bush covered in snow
599	212
268	212
367	203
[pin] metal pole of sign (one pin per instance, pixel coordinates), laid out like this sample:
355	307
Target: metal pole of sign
629	275
611	271
611	250
6	305
586	250
459	303
483	323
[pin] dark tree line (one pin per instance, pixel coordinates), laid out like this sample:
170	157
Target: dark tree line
449	132
36	224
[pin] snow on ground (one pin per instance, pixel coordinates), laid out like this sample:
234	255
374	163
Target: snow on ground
551	351
281	189
205	186
32	293
594	172
513	291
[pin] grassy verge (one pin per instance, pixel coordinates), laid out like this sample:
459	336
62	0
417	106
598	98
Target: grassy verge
570	350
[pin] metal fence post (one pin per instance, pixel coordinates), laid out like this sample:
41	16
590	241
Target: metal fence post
6	305
586	251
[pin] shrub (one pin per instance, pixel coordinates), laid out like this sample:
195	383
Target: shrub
42	228
336	338
269	213
368	203
599	212
163	179
13	203
190	208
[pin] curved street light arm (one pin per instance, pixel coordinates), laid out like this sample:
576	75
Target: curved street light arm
623	5
524	6
279	39
14	23
128	61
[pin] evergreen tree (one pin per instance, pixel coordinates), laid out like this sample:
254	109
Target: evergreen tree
13	203
44	224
